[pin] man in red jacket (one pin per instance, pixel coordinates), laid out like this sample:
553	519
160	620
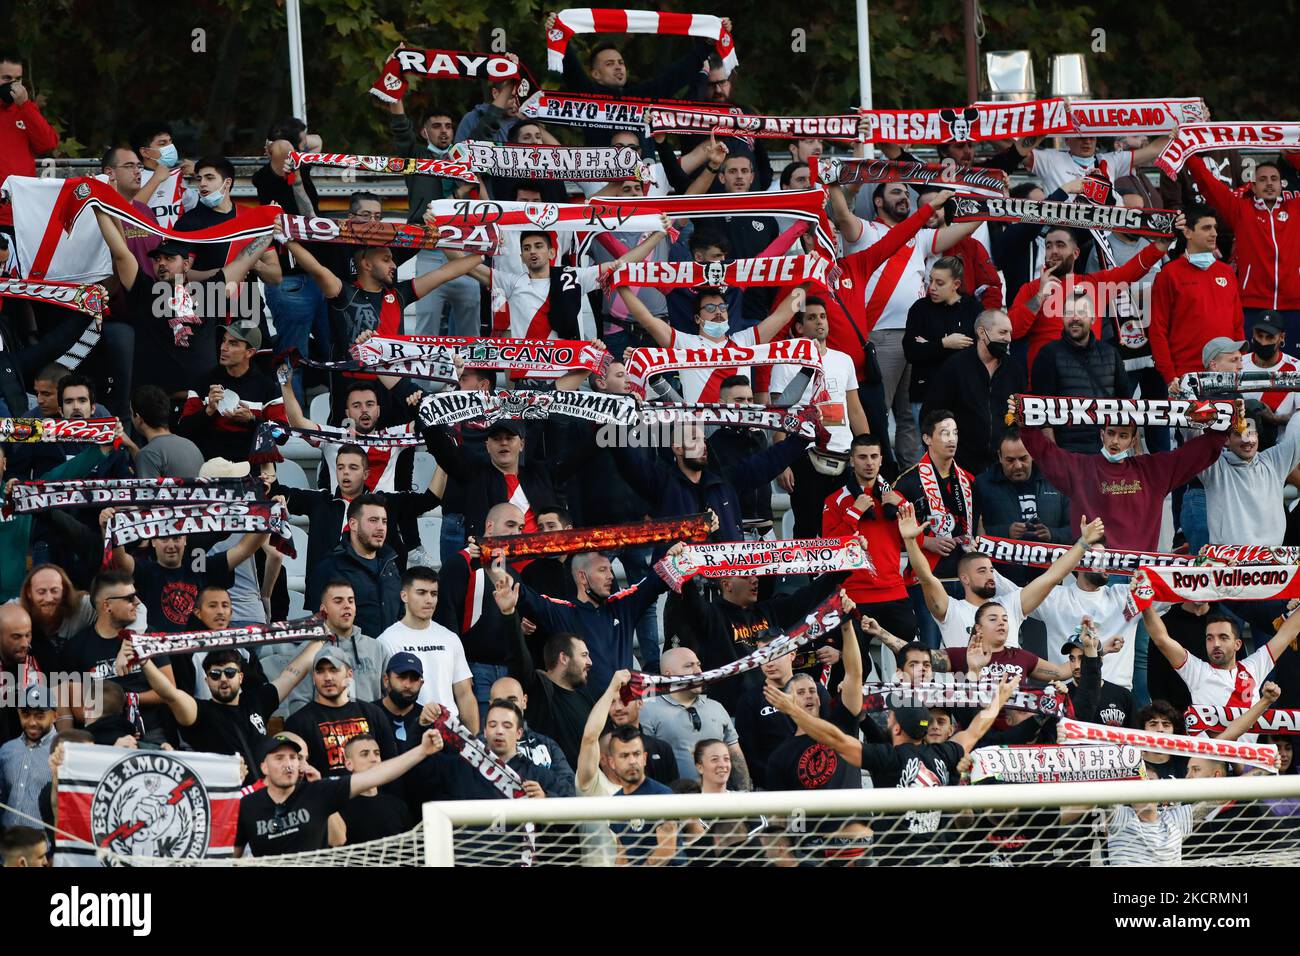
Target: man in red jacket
24	134
1267	243
1194	299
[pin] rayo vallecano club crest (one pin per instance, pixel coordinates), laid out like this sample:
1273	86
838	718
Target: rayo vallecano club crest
151	804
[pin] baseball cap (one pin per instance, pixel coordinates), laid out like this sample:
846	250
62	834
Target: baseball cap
252	335
332	654
404	662
1073	641
506	425
224	468
169	247
913	721
1270	322
275	743
1220	345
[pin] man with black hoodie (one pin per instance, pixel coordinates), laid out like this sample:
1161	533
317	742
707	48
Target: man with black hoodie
1095	700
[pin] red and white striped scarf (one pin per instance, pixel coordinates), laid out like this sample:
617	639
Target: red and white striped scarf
392	84
942	521
390	165
577	20
1252	755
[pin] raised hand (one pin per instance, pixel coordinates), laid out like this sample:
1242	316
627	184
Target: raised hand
1270	692
907	524
780	700
1091	531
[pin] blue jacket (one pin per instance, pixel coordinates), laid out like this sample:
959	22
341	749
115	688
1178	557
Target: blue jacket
377	583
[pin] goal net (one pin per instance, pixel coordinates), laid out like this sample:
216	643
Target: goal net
1216	822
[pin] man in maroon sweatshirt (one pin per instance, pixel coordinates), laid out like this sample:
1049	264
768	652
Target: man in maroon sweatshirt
1126	490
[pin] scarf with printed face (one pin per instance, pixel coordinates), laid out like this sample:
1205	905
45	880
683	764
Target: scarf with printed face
978	123
27	497
671	119
577	20
585	164
392	84
1209	719
95	431
593	111
476	753
644	363
256	517
152	645
88	299
1202	584
818	626
1047	764
942	522
849	172
450	408
1219	383
530	355
782	271
878	695
1124	117
605	538
1041	411
756	558
1195	138
1073	215
1043	554
395	235
1263	756
390	165
268	435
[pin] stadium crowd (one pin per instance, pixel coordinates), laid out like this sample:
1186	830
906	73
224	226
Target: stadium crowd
931	332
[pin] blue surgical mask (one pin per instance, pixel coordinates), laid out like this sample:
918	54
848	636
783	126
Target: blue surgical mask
439	152
1202	260
212	200
1115	459
1083	162
716	330
168	156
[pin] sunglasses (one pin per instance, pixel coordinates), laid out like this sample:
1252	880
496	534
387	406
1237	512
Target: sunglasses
692	713
133	597
227	672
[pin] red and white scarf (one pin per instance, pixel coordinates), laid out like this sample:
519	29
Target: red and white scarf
28	497
390	165
268	435
96	431
1250	554
1073	215
1041	411
450	408
255	517
392	84
475	752
584	164
1125	117
530	355
605	538
577	20
1043	554
552	217
593	111
643	363
1267	582
783	271
88	299
1198	138
942	522
395	235
849	172
154	644
1078	763
756	558
685	119
1252	755
949	695
1210	719
984	121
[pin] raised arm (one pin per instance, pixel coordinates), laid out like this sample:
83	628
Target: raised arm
1268	696
589	749
1174	652
640	250
390	770
296	669
238	268
978	727
124	263
183	707
784	314
330	284
1036	591
1285	636
655	327
851	659
846	221
936	598
822	731
451	269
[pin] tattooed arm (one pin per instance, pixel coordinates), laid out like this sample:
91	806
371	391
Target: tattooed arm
939	659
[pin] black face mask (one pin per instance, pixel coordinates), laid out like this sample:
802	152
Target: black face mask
999	350
1265	352
7	93
401	700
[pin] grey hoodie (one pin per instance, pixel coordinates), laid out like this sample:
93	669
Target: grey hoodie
364	653
1243	499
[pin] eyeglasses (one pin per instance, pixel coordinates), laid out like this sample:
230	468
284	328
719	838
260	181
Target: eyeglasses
368	216
713	307
133	597
227	672
692	713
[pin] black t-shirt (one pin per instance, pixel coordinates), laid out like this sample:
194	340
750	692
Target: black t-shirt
559	713
88	653
763	728
174	352
406	729
299	824
1175	768
354	310
911	765
207	255
328	729
373	818
237	728
801	763
171	594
